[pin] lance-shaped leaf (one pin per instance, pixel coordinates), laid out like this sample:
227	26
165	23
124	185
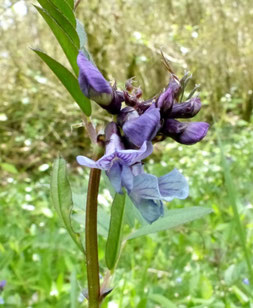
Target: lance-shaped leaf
62	197
70	50
173	218
69	81
62	21
115	231
66	7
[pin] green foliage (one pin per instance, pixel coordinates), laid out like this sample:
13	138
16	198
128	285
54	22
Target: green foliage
68	80
62	198
70	50
62	21
114	239
172	219
66	8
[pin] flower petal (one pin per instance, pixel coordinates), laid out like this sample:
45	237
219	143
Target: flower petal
85	161
173	185
92	82
130	157
167	98
114	175
185	133
151	210
143	128
105	162
194	132
186	110
127	177
146	186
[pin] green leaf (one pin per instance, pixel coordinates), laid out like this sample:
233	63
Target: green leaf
174	218
61	20
62	197
68	80
73	289
70	50
66	7
115	231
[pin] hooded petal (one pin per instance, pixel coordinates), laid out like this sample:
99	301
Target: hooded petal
130	157
173	185
143	128
92	82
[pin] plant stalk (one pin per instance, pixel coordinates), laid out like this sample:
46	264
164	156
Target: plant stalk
91	239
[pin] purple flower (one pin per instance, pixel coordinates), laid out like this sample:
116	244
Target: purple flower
185	132
2	284
186	110
167	98
148	191
117	160
142	128
246	281
95	87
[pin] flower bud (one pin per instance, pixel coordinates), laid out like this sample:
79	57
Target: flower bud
186	133
95	87
167	98
186	110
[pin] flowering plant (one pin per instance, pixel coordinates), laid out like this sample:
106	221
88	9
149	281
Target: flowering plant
127	140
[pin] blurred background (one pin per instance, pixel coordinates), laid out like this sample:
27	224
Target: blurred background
200	264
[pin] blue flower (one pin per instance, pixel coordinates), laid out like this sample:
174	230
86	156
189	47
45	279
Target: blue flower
139	129
2	285
148	191
117	160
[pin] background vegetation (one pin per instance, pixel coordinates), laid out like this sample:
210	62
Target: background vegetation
201	264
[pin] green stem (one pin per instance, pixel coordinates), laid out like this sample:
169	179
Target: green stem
91	239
